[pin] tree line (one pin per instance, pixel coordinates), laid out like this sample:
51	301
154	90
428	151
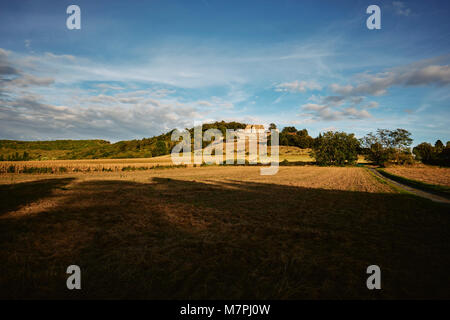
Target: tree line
381	147
330	148
12	150
436	155
25	156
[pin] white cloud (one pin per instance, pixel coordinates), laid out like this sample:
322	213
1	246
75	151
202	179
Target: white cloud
422	73
313	107
60	56
161	93
354	113
26	117
298	86
31	107
401	9
204	103
371	104
322	112
6	68
107	86
27	80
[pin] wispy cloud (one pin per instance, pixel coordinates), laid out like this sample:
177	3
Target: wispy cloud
318	112
401	9
297	86
422	73
29	118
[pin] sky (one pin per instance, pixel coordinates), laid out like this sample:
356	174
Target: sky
141	68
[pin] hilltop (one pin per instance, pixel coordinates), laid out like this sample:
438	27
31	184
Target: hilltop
14	150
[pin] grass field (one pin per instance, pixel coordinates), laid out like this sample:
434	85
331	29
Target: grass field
70	166
219	232
427	174
290	154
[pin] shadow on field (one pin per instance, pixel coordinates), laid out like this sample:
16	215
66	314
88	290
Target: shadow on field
16	195
173	239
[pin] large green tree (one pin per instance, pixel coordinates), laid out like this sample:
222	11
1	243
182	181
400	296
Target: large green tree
424	152
439	146
386	145
335	148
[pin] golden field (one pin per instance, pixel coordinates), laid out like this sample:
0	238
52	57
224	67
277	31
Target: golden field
55	166
286	153
428	174
219	232
331	178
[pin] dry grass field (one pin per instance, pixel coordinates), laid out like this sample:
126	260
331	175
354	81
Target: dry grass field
70	166
290	154
295	154
219	232
427	174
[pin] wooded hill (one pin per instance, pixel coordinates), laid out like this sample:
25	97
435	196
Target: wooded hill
13	150
339	148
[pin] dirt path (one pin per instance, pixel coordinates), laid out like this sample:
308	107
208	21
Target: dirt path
409	189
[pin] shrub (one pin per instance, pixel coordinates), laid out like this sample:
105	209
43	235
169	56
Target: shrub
406	158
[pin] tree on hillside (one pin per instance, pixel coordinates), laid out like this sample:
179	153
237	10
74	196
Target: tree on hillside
439	146
289	136
272	126
424	152
284	140
401	140
435	155
387	145
335	148
444	157
289	130
304	139
160	148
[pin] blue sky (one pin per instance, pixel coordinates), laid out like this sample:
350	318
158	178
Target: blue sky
140	68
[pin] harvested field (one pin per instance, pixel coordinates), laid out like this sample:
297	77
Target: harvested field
70	166
219	232
290	154
427	174
331	178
